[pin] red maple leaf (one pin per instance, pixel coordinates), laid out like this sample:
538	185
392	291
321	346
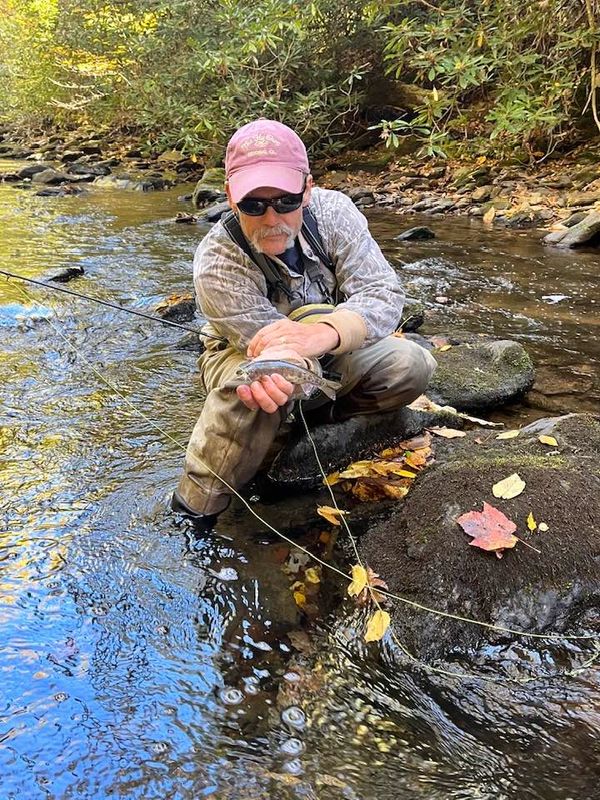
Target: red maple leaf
491	529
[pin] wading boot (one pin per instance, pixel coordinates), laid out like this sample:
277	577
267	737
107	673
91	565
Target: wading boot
200	523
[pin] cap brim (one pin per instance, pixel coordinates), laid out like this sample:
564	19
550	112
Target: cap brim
271	175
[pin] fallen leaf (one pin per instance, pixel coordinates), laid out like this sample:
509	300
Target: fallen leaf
367	490
447	433
542	527
312	575
377	626
394	490
359	580
332	515
332	479
359	469
369	590
444	347
549	440
508	434
491	529
391	468
300	599
509	487
418	458
531	523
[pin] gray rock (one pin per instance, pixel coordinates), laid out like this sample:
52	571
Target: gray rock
443	205
480	373
32	169
425	204
416	234
50	177
126	183
204	194
583	232
214	213
91	170
582	198
482	193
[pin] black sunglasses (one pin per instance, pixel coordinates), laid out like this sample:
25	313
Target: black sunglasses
256	207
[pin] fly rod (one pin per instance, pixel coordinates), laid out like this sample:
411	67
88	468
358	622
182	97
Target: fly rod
110	305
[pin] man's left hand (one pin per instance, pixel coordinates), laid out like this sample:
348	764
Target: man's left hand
311	340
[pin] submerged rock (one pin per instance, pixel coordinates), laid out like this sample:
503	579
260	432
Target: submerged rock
425	556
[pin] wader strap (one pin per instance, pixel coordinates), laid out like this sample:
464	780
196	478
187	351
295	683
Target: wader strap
310	231
266	266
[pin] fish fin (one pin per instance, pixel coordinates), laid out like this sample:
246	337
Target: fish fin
308	389
330	388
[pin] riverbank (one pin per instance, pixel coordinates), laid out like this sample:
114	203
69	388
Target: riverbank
554	195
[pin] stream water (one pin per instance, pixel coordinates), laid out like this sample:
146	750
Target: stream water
136	666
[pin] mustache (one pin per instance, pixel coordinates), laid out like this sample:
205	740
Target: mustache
270	231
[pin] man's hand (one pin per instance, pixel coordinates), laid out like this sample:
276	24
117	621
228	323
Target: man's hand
271	391
306	340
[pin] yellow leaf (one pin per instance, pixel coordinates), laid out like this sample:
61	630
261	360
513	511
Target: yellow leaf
447	433
332	479
378	625
332	515
312	575
509	487
359	580
550	440
436	96
508	434
444	348
392	468
300	599
542	527
480	38
360	469
531	523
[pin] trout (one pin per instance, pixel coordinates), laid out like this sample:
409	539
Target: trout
305	379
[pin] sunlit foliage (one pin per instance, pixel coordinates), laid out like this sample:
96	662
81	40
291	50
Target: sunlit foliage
186	73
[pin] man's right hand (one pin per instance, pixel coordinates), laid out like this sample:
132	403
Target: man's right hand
271	391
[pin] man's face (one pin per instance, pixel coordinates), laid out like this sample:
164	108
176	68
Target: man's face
271	233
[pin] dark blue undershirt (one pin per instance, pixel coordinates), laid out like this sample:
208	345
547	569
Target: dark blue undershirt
292	258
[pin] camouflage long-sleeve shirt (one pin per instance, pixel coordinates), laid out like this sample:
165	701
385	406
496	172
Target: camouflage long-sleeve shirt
231	290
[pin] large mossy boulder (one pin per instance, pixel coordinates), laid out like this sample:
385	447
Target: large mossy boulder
477	373
426	557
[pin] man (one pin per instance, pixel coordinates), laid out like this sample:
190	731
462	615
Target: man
283	255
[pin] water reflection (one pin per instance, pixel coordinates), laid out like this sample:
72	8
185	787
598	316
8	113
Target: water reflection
135	665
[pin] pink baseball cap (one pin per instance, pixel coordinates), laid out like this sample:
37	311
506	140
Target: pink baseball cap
265	153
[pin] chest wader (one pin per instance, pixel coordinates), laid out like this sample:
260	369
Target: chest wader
308	313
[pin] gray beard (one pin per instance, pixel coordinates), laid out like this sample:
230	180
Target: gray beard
259	236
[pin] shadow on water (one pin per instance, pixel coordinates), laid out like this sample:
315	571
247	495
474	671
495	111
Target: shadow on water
140	663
